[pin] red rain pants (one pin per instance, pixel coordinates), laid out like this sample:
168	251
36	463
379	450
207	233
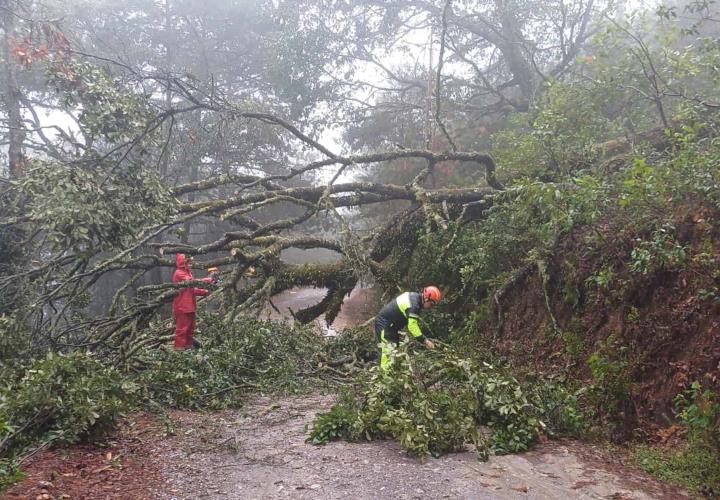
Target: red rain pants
184	330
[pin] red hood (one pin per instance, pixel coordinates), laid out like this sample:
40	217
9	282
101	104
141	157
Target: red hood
180	261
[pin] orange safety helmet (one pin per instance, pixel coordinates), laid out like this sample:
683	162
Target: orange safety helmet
431	294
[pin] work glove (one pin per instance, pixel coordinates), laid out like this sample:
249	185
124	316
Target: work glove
214	275
430	344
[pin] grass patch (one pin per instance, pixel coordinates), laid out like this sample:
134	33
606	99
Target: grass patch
694	468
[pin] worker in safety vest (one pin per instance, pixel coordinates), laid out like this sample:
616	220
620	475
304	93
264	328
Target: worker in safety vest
403	311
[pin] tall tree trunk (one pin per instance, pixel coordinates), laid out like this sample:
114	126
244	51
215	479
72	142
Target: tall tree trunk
156	274
11	94
511	47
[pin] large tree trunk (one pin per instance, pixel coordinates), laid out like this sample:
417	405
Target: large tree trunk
11	94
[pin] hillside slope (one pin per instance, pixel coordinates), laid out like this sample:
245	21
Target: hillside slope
648	332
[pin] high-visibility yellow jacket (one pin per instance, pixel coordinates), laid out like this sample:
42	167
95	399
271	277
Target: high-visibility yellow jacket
403	311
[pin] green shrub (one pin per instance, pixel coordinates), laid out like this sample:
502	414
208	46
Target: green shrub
336	423
62	398
9	471
694	468
661	252
699	411
609	395
560	136
697	465
560	404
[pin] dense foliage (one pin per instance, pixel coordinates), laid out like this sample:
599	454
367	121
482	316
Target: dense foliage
644	199
57	399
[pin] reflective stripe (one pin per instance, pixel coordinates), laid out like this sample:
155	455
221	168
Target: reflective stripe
414	327
403	302
386	352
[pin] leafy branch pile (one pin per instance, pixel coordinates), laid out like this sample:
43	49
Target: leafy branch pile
436	403
246	356
56	399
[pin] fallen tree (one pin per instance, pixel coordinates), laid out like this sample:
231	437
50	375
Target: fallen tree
103	212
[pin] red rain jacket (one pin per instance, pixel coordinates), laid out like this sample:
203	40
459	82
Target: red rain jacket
185	301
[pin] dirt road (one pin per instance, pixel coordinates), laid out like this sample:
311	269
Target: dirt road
260	453
360	305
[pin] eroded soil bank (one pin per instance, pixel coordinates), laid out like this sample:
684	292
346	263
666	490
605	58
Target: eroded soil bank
659	324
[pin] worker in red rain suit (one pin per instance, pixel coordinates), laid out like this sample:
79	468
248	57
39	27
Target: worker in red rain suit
184	305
